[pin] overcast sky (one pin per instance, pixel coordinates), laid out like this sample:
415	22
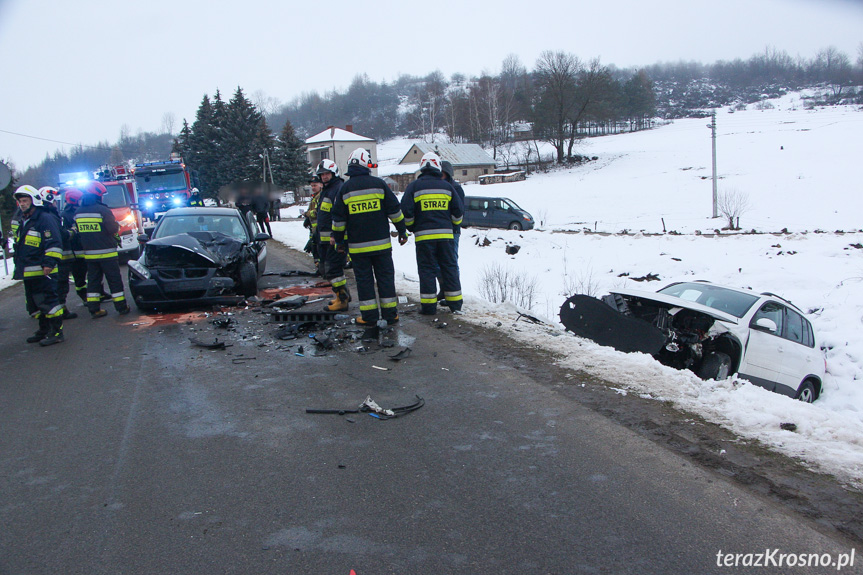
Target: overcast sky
78	71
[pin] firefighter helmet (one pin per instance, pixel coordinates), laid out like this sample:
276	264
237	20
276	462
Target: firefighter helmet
360	157
430	161
95	188
328	166
26	190
48	194
72	196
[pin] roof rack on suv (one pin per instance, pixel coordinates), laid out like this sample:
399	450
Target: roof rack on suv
771	294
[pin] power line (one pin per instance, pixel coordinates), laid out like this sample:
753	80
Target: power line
65	143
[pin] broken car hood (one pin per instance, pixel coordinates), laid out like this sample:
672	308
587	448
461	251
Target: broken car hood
672	301
182	250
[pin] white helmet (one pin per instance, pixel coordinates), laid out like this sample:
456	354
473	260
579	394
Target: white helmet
328	166
431	161
29	191
360	157
47	193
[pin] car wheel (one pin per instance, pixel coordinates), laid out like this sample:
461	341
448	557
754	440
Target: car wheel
515	226
248	280
717	366
806	392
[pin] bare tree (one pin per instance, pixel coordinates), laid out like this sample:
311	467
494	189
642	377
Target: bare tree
168	122
833	66
556	76
267	105
732	204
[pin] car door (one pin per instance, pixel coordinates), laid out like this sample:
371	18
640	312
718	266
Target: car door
763	351
497	214
799	358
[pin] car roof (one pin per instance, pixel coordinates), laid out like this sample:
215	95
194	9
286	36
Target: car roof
203	212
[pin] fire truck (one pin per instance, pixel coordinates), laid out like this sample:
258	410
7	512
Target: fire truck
121	197
163	185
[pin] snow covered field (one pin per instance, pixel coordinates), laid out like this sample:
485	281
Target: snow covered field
801	170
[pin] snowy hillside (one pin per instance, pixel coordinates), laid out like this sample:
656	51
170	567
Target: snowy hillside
801	169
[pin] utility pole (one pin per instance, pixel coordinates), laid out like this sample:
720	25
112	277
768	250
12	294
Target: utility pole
712	127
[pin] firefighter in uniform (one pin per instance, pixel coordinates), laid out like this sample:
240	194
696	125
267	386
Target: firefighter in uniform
449	176
362	209
195	200
48	195
37	254
73	262
333	257
98	230
432	207
311	223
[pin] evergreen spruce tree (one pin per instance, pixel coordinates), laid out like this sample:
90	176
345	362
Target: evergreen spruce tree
245	136
203	149
182	143
290	166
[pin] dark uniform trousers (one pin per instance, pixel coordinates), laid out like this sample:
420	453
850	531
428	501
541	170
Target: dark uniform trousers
334	265
40	293
367	269
433	257
77	269
109	267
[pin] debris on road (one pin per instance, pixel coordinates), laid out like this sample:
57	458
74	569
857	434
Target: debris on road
371	407
403	354
215	344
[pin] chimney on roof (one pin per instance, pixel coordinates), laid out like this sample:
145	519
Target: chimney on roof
350	128
332	130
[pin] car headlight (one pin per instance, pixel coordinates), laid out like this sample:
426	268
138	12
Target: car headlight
149	203
136	267
177	201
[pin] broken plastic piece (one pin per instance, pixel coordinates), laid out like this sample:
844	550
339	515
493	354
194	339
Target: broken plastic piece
215	344
403	354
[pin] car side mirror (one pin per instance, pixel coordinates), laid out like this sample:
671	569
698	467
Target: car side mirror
766	324
143	238
262	237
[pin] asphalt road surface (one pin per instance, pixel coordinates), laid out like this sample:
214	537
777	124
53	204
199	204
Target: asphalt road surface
127	449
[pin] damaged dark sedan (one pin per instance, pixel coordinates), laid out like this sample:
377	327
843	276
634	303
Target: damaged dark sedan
199	256
712	330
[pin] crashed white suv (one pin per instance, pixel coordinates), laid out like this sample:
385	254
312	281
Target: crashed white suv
715	331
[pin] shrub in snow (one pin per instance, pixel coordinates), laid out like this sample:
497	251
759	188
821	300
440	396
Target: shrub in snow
500	284
732	204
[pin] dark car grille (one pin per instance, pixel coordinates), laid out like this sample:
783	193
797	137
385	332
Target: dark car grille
182	273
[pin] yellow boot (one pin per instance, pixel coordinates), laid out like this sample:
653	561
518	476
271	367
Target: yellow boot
340	303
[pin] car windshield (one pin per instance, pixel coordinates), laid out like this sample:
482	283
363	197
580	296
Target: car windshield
511	203
719	298
230	225
116	196
149	182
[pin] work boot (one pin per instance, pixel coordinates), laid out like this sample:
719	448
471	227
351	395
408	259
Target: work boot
40	334
98	313
69	314
55	335
122	307
340	302
393	320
